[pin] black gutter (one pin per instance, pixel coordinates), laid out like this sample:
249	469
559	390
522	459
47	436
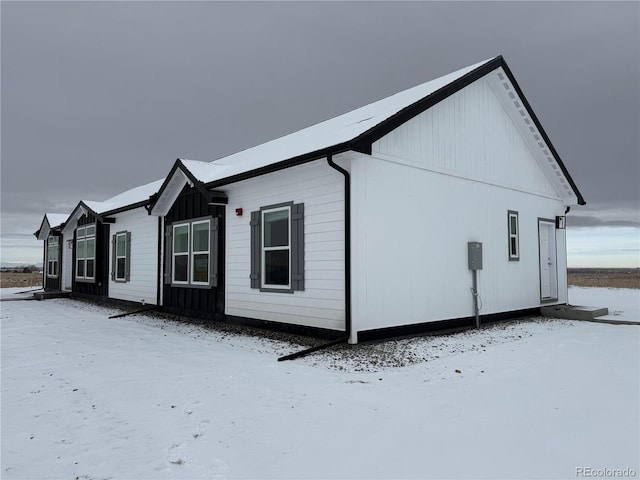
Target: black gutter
302	353
347	267
347	243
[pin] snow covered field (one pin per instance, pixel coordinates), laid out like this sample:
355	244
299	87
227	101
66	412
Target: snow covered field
87	397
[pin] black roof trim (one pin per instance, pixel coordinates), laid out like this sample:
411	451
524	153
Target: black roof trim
126	208
363	142
403	116
282	165
196	183
527	106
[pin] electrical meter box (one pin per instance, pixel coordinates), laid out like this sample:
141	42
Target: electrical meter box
475	255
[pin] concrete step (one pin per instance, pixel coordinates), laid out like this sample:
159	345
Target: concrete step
51	294
573	312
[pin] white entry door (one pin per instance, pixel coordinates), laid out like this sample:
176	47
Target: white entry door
548	266
67	264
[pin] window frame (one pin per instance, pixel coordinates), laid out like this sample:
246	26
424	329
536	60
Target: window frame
513	239
192	253
263	249
127	257
53	247
296	245
212	273
83	237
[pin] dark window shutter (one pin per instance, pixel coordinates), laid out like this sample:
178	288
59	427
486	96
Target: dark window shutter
213	256
255	249
167	254
127	261
297	247
113	257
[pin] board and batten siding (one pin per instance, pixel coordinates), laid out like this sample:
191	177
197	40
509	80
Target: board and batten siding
321	304
452	174
143	284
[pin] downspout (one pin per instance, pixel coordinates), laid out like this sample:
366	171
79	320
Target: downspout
347	243
347	267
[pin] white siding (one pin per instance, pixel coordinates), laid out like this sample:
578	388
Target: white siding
144	257
410	246
469	134
445	178
321	304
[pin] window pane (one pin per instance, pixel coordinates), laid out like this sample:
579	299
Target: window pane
120	245
89	269
91	247
120	263
180	264
201	237
80	252
80	268
49	269
276	267
55	269
181	239
276	228
81	232
514	225
91	230
513	246
201	268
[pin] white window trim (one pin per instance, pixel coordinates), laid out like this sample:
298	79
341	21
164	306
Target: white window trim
180	254
53	241
84	237
193	253
190	253
124	272
514	255
264	249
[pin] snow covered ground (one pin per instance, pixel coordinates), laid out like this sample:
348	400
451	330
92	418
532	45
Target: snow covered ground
87	397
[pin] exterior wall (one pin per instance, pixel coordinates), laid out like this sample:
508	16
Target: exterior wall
468	134
52	283
206	303
100	286
451	175
143	284
321	304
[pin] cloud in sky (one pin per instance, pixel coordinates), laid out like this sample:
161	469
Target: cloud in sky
99	97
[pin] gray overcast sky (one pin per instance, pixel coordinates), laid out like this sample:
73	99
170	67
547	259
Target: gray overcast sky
99	97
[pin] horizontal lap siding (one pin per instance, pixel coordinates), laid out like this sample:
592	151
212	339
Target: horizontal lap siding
142	286
321	304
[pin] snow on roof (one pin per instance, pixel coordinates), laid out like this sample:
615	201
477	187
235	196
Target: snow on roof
130	197
56	219
326	134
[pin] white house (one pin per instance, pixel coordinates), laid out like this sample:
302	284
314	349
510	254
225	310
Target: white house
360	226
107	250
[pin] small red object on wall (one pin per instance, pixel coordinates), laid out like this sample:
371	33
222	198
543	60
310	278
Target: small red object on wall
239	212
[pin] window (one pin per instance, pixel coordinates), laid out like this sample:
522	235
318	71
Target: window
514	243
86	253
121	257
192	253
53	252
277	248
276	251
